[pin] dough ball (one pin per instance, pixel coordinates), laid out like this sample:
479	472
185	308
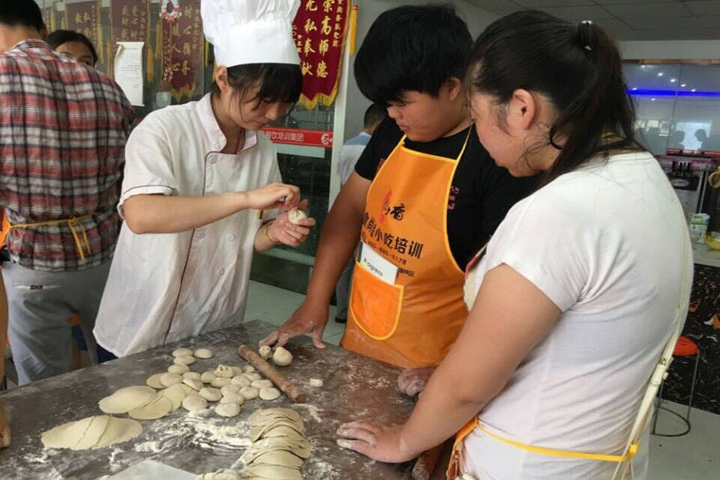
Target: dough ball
157	408
237	371
203	353
193	403
176	394
282	357
253	376
193	375
178	368
233	398
184	360
249	369
181	352
227	409
209	393
220	382
224	371
249	392
295	215
126	399
316	382
265	352
269	393
261	384
193	383
169	379
222	474
92	432
240	381
229	389
207	377
154	381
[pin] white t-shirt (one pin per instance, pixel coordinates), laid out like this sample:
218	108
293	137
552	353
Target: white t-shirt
166	287
605	244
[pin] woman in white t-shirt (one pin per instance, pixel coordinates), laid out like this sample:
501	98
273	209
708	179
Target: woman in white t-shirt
198	177
582	280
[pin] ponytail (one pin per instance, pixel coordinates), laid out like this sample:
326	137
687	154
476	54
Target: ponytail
578	67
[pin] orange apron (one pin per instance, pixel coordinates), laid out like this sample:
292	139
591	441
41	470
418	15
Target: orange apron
413	320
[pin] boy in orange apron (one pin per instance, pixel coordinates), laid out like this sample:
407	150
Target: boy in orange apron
424	197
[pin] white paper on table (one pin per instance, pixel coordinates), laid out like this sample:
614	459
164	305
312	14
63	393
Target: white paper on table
129	71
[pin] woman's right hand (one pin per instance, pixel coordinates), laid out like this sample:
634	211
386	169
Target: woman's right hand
307	318
273	196
4	430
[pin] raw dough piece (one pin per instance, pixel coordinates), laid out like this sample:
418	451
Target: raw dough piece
220	382
193	403
168	379
222	474
253	376
316	382
188	390
282	357
269	393
224	371
272	472
154	381
196	385
184	360
233	398
207	377
262	431
209	393
237	371
249	369
157	408
227	389
181	352
249	392
265	352
92	432
240	381
228	409
193	375
176	394
301	448
203	353
261	384
278	457
295	215
268	415
126	399
179	369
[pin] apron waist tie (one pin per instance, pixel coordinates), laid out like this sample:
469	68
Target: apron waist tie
72	223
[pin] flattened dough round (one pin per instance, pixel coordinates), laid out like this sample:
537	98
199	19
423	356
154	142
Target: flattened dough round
196	385
228	409
233	398
220	382
211	394
157	408
269	393
222	474
176	393
193	403
207	377
249	392
169	379
279	457
193	375
203	353
180	352
179	369
184	360
126	399
154	381
261	384
227	389
91	432
240	381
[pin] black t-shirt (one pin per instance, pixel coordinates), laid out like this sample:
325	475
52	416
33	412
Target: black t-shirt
481	192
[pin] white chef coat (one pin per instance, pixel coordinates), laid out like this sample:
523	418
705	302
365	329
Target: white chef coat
166	287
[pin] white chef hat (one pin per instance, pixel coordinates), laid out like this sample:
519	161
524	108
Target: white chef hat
250	31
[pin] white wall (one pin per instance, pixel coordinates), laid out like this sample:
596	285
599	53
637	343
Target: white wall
671	50
368	10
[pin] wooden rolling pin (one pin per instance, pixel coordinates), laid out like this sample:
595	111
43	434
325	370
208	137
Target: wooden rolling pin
426	463
272	374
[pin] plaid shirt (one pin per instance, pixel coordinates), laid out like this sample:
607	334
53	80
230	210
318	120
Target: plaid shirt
63	128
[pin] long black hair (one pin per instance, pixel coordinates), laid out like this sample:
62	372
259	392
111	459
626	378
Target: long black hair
279	82
413	48
58	37
576	66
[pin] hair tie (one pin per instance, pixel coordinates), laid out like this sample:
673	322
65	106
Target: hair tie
584	34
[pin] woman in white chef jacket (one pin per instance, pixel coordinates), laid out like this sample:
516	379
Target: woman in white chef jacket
197	178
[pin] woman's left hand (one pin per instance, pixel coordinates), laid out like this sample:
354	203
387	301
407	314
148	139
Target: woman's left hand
379	442
287	233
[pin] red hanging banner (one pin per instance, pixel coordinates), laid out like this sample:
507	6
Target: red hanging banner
182	46
319	31
84	17
129	20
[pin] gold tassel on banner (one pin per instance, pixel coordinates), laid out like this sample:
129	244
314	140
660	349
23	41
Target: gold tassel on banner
352	29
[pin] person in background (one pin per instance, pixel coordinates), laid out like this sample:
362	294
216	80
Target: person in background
73	45
60	165
424	197
197	181
4	424
573	309
349	156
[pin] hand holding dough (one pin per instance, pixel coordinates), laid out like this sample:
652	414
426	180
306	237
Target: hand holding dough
295	215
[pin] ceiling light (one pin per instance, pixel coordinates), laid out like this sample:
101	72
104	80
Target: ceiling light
660	74
673	80
683	85
653	99
692	90
634	88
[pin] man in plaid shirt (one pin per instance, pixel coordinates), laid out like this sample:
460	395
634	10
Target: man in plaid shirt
63	128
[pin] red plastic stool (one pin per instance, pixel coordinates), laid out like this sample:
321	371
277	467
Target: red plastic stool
683	348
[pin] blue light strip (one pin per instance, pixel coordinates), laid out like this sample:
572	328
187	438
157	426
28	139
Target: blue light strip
671	93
